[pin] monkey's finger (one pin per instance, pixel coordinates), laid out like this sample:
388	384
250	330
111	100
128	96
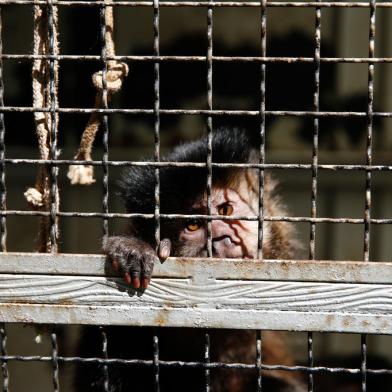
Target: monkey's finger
115	265
164	249
135	274
136	283
127	278
145	282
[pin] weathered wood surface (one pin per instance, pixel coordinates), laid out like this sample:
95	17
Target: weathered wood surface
292	295
292	270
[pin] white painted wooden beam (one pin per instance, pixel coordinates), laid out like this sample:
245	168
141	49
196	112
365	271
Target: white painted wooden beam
291	270
288	295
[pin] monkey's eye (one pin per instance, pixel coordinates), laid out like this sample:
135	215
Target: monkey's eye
193	225
225	209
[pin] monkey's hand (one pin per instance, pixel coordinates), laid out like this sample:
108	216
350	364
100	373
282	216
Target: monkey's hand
134	258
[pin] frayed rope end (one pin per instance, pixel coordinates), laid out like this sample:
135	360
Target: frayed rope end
34	197
81	174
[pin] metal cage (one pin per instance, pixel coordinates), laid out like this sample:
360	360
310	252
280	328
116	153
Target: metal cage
294	295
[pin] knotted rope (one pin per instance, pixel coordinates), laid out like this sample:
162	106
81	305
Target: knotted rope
116	72
39	197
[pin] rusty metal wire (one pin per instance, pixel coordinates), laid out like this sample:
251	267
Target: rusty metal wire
313	199
195	112
192	364
3	190
156	362
55	363
112	215
53	132
4	362
105	368
259	361
283	166
157	124
209	126
105	121
263	66
164	58
263	27
283	4
207	360
368	185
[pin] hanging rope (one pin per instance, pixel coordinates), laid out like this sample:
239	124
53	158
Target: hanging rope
115	75
39	197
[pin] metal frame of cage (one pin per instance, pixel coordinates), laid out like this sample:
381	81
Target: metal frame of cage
276	294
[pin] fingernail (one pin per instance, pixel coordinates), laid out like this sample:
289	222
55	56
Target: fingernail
135	283
164	249
127	278
145	283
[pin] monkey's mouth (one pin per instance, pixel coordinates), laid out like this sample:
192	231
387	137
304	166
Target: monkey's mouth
226	246
225	240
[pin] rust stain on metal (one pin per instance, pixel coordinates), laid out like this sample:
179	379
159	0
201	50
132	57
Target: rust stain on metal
365	323
162	317
330	319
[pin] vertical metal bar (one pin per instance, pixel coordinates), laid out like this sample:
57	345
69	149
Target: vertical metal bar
52	14
209	126
310	361
3	207
105	369
262	125
369	145
3	190
55	364
263	25
316	125
156	362
363	362
4	364
369	134
207	360
259	359
105	123
157	124
316	108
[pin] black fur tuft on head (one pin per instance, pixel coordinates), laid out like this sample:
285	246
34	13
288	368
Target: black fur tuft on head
181	186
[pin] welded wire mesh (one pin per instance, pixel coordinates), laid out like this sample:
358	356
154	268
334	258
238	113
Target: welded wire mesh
210	114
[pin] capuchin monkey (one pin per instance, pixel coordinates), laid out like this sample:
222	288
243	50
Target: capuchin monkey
235	191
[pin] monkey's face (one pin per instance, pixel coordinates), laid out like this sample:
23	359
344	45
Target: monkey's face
230	238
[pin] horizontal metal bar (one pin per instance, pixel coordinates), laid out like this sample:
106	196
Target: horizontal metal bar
163	58
216	293
301	166
293	219
193	112
283	270
197	318
311	4
190	364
